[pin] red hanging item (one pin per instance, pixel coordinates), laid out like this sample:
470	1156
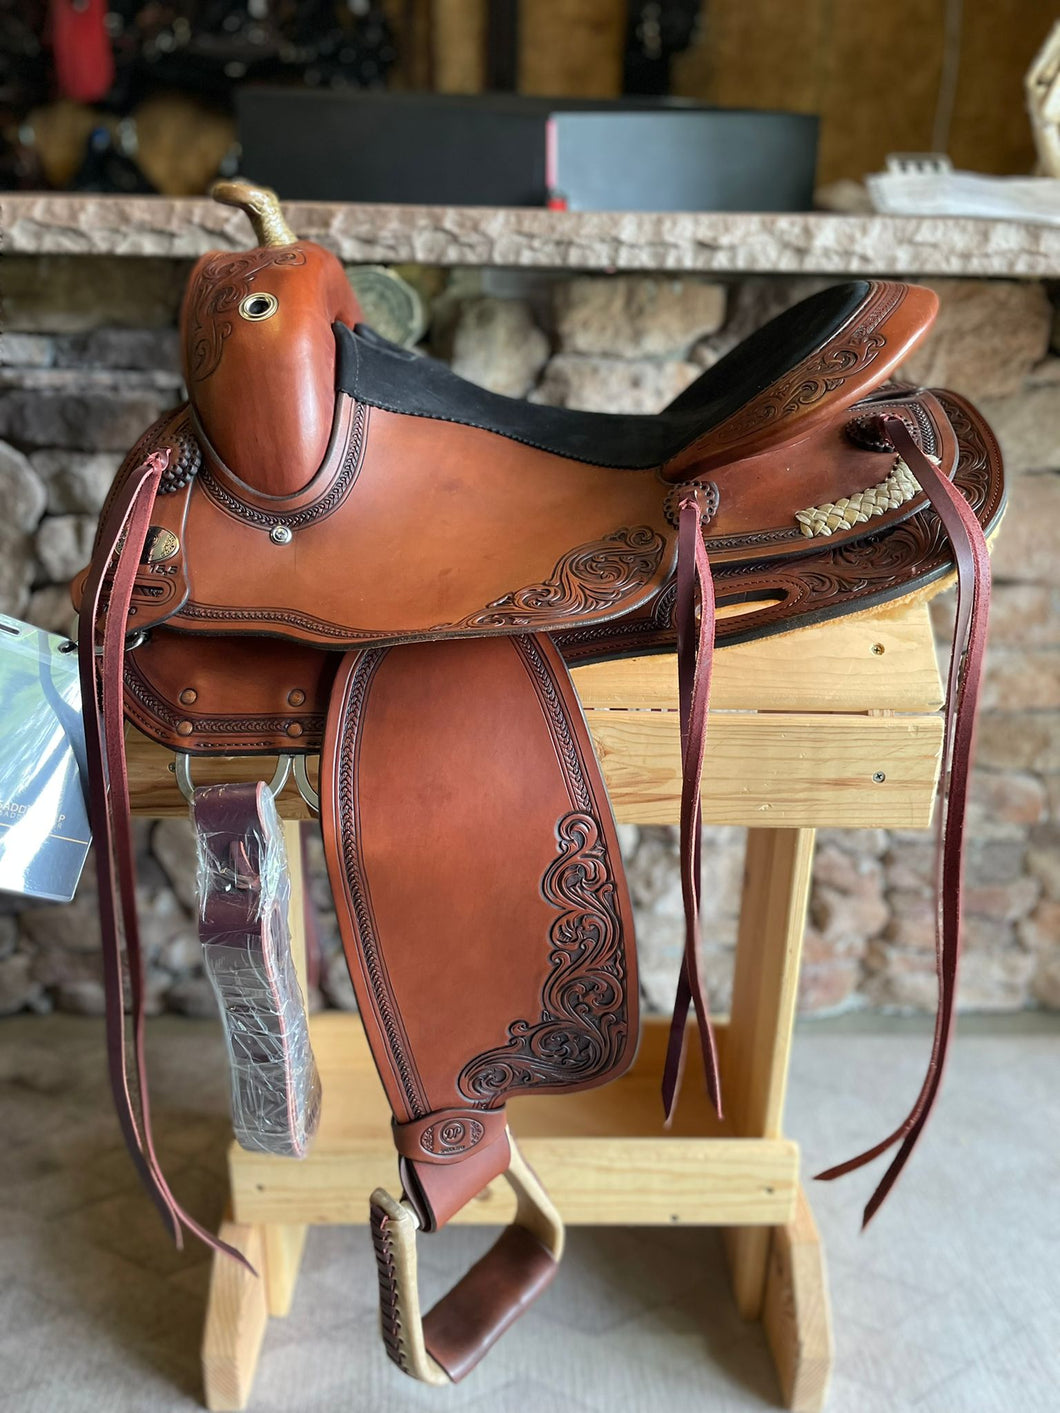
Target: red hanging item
84	61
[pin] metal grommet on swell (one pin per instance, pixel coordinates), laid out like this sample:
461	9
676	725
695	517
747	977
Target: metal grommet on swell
189	696
256	307
296	697
281	534
184	728
294	728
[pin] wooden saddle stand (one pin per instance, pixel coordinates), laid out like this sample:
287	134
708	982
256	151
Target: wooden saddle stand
339	547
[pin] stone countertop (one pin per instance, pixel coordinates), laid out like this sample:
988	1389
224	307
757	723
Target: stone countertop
532	238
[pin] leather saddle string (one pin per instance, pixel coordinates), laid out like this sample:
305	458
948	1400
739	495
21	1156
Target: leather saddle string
125	525
972	560
695	654
122	536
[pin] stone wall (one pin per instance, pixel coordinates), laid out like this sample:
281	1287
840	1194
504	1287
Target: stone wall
90	358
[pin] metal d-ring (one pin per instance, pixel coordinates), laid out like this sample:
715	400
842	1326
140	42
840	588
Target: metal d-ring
182	770
135	639
305	789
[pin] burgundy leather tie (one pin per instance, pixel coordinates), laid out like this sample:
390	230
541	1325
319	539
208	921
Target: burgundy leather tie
972	559
101	653
695	656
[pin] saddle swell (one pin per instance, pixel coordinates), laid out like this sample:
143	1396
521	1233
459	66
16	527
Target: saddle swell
381	562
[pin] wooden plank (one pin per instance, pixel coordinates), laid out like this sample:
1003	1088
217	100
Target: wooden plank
777	872
458	38
411	20
757	54
778	867
355	1107
997	46
877	662
792	770
813	56
593	1181
236	1317
604	1155
868	45
284	1245
787	771
153	788
796	1313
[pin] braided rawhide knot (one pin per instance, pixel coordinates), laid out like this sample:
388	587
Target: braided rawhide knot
185	459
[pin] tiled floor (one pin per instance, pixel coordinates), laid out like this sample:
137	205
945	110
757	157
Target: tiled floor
950	1303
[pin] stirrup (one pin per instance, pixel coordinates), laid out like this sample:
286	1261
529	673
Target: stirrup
524	1268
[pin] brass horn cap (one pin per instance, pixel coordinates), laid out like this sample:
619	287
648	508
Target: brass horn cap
262	206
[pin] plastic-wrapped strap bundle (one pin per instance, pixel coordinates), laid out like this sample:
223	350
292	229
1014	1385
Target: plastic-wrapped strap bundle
244	890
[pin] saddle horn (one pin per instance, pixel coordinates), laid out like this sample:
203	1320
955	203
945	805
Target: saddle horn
262	206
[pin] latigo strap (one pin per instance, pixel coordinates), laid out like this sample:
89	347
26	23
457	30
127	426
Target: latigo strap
102	628
695	656
972	559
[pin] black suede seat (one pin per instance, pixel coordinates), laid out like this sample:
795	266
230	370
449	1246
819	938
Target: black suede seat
381	374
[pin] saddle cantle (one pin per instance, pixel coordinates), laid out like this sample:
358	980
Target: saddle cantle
339	546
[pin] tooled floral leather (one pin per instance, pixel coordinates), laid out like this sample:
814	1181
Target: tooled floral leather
847	367
591	577
584	1024
219	284
831	582
851	352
